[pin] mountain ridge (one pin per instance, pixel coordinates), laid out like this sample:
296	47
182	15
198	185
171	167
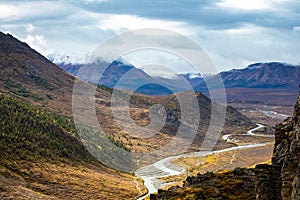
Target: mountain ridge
263	75
249	77
26	73
252	83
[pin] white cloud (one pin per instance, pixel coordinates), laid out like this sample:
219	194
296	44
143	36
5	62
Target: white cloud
296	28
20	10
37	42
249	5
161	63
245	29
237	48
231	37
29	28
119	23
94	1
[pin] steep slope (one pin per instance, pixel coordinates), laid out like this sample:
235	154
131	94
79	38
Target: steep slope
41	158
27	74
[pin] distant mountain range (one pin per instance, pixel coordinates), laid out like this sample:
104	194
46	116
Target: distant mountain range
112	75
270	83
273	75
252	83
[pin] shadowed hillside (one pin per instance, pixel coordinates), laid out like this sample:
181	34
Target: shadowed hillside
41	158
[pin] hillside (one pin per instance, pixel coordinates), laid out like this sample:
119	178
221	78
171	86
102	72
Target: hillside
30	76
271	75
139	111
41	158
263	75
42	155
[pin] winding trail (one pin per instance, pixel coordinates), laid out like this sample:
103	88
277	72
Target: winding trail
164	167
228	138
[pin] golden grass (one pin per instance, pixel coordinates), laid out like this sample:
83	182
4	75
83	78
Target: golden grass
227	160
50	181
220	162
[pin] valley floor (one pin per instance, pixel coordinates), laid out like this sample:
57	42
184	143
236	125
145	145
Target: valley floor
173	171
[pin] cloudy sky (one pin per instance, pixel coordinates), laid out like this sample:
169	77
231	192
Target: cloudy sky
234	33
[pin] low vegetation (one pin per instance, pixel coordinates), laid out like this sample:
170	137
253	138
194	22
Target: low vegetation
220	162
30	133
42	158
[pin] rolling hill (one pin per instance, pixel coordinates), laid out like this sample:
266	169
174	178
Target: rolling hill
42	158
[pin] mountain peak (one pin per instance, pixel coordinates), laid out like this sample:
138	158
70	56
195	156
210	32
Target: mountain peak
268	64
254	66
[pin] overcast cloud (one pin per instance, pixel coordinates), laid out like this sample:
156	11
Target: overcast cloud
234	33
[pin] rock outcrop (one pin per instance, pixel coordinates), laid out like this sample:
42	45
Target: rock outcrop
264	175
281	180
236	184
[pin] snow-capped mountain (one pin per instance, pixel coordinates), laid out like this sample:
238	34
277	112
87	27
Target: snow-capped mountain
259	75
68	58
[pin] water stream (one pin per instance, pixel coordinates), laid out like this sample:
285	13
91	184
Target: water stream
164	167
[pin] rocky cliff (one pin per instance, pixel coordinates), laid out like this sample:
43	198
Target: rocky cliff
281	180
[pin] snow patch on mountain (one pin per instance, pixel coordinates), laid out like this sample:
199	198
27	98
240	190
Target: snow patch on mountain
66	58
193	75
255	66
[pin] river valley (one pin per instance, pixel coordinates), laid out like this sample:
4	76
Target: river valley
165	168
